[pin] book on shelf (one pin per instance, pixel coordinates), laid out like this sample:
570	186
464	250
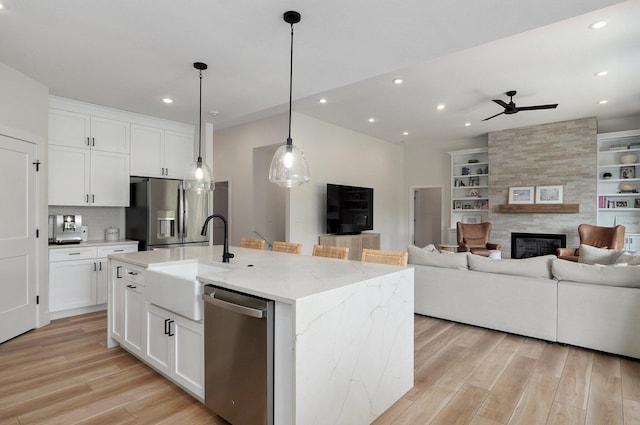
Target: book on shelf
618	147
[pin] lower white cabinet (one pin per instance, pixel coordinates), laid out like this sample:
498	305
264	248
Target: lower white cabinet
175	346
172	344
78	277
632	242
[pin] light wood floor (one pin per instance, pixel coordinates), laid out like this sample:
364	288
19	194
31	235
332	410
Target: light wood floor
64	374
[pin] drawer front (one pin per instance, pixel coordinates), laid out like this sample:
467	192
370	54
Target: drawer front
67	254
103	251
133	274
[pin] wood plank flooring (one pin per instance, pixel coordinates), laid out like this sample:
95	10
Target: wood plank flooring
64	374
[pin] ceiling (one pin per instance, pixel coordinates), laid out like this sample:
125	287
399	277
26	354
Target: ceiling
130	54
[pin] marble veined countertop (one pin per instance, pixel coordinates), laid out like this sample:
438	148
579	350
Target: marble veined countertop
273	275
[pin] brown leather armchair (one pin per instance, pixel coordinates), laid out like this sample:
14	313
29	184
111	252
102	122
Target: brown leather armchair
474	238
598	236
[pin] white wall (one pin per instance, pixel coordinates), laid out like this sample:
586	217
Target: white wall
335	155
428	165
24	114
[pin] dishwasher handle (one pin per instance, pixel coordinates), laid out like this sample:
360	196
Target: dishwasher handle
236	308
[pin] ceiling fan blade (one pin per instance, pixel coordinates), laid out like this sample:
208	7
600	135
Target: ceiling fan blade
532	108
501	103
493	116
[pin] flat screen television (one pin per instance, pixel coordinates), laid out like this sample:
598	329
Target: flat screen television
349	209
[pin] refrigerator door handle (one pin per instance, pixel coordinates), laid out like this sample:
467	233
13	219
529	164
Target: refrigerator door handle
182	223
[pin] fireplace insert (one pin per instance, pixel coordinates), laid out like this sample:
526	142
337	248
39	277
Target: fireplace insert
525	245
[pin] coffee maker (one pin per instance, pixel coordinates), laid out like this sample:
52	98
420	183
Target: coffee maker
65	228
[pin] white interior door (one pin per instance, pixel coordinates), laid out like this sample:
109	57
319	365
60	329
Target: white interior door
17	237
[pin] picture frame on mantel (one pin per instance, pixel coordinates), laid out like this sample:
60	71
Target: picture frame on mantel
521	195
549	194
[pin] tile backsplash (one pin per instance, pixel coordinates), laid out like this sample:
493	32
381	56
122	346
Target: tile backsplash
97	218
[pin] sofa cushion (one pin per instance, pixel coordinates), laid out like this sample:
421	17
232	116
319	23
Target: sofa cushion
423	257
598	274
529	267
630	258
592	255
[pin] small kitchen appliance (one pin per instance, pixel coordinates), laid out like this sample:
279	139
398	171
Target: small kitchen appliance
111	234
65	228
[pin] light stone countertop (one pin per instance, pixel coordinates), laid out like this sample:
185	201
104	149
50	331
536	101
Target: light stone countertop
97	242
273	275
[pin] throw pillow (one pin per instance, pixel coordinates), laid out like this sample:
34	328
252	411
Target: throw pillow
422	257
597	274
529	267
592	255
631	258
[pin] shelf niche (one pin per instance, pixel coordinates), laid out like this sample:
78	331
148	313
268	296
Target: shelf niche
540	208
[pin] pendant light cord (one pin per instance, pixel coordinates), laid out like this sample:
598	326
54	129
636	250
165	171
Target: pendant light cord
200	125
289	140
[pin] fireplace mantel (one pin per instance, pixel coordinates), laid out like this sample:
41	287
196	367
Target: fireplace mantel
540	208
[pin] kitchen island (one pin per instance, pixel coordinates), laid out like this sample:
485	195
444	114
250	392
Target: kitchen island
343	349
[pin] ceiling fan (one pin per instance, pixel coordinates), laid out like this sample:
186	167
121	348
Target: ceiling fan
511	108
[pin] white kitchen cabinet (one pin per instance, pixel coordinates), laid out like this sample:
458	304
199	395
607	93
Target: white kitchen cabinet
134	306
77	277
175	347
157	152
77	130
632	242
116	303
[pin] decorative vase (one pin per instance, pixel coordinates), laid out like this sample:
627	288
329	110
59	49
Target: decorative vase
628	158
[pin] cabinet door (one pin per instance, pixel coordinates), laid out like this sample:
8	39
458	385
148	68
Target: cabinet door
69	172
101	281
134	316
632	242
147	151
109	135
158	352
72	284
109	179
178	154
69	129
188	354
117	301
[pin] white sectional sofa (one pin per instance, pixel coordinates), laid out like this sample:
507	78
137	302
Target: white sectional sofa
587	305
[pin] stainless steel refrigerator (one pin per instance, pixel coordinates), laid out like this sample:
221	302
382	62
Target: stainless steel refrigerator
164	215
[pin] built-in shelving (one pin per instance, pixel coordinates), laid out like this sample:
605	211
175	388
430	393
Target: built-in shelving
469	186
619	183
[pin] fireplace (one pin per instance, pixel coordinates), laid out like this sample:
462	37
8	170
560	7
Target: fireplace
525	245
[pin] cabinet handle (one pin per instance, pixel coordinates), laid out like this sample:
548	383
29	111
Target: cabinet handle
95	267
166	326
87	198
170	322
88	142
100	264
167	170
118	272
93	198
131	286
93	141
133	273
74	253
118	250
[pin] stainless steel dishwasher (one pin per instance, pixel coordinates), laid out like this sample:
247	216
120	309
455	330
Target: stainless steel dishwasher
238	353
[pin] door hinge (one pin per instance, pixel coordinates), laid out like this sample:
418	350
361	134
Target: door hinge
37	233
37	299
37	164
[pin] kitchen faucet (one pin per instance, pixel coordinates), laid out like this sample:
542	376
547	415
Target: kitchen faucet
225	251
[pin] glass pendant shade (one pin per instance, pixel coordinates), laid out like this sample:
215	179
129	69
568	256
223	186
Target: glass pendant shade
289	167
199	177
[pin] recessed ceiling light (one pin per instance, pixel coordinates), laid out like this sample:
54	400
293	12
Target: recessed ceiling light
598	25
440	107
1	6
602	102
601	73
398	81
323	100
167	100
405	133
372	119
467	124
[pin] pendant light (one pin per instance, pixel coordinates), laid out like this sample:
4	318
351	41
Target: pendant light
289	166
199	177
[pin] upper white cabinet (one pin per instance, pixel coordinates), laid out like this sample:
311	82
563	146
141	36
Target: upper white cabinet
157	152
77	130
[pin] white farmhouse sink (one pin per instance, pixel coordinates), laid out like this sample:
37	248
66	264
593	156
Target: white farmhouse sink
175	287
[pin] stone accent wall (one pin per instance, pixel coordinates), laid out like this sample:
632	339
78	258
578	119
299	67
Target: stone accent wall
562	153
